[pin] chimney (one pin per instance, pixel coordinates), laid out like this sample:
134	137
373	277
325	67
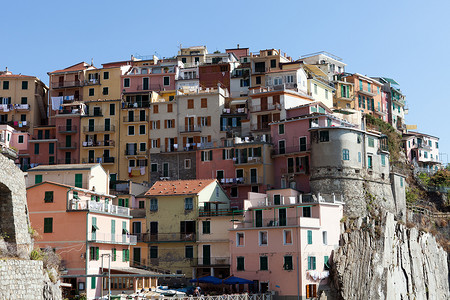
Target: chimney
238	46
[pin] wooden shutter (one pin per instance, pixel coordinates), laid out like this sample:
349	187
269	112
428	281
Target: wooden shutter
186	122
308	292
199	121
175	139
165	123
314	290
173	123
208	121
209	138
184	141
157	124
166	142
158	143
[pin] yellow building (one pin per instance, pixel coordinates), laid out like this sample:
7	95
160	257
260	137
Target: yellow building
192	56
172	211
103	84
23	101
344	97
265	61
100	132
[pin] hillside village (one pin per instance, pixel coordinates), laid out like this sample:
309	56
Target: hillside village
163	171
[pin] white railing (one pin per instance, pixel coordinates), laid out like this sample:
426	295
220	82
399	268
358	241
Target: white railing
109	238
98	207
226	297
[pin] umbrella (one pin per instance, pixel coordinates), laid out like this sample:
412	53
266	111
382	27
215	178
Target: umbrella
237	280
207	279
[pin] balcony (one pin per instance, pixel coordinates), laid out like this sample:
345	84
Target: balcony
279	222
67	146
367	93
211	261
100	160
149	87
141	104
260	127
257	108
100	144
136	152
68	129
66	84
99	128
93	81
235	111
190	128
291	149
217	212
242	180
247	160
22	107
67	161
18	125
108	238
100	207
187	77
167	237
95	113
126	119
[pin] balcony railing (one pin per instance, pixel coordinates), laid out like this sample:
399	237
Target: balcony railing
235	110
75	205
216	212
248	160
166	237
17	124
187	77
100	160
135	152
256	108
22	107
67	129
150	87
91	82
211	261
66	161
260	127
108	143
64	145
279	222
99	128
126	119
66	84
135	104
291	149
108	238
191	128
242	180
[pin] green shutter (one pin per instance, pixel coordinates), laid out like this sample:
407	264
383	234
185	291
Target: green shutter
94	228
326	266
37	179
309	237
114	254
97	253
127	251
113	230
126	202
123	255
210	155
79	180
314	262
48	225
93	282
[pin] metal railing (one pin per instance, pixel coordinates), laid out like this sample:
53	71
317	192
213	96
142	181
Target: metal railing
256	108
247	160
242	180
66	84
210	261
149	87
126	119
141	104
64	145
109	143
190	128
99	128
135	152
235	110
67	129
291	149
260	127
108	238
22	106
100	160
165	237
101	207
66	161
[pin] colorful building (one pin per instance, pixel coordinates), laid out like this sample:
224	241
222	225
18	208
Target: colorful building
422	150
285	241
367	93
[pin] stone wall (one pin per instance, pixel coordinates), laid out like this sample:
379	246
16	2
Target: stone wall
382	259
21	279
176	165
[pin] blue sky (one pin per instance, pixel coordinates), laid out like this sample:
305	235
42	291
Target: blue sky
405	40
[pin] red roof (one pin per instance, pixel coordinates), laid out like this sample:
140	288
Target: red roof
78	67
16	76
178	187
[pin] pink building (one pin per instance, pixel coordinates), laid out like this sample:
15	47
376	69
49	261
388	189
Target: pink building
67	124
285	241
85	229
422	150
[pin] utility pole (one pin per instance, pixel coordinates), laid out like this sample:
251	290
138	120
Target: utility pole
109	275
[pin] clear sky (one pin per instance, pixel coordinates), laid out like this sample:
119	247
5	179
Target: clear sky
405	40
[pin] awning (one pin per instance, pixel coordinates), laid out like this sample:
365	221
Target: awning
237	280
207	279
238	102
94	227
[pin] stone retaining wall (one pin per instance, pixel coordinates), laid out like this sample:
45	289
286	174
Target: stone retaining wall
21	279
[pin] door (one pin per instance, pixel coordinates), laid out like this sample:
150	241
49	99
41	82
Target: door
153	231
61	80
106	139
137	256
91	156
145	83
253	176
258	218
264	103
131	116
68	141
206	255
91	124
68	158
69	125
107	124
282	219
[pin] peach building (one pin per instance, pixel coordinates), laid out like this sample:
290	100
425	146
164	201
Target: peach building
285	241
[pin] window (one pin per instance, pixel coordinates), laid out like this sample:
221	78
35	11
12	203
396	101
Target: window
79	180
360	85
187	164
369	162
126	82
401	182
311	262
153	251
326	266
206	227
324	237
155	109
23	118
23	100
189	251
371	142
288	265
306	212
105	75
48	225
141	129
311	291
130	130
240	239
273	63
51	147
20	141
276	199
302	141
105	91
188	203
309	233
24	85
234	192
240	263
94	253
114	254
142	147
315	88
258	79
204	103
36	148
37	179
91	92
263	263
166	80
263	238
153	204
383	160
190	103
287	237
359	156
125	255
48	197
281	129
112	109
154	166
206	155
359	101
437	145
345	154
324	136
6	85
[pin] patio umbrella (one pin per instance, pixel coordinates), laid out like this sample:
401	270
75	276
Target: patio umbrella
237	280
207	279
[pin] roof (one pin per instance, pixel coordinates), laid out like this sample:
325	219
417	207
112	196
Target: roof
178	187
16	76
63	167
315	70
132	270
77	67
390	80
71	187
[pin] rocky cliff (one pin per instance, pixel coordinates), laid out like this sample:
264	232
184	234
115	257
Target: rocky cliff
379	258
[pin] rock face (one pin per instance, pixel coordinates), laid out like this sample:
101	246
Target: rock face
382	259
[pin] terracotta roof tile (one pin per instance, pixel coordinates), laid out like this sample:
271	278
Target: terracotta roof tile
178	187
78	67
16	76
